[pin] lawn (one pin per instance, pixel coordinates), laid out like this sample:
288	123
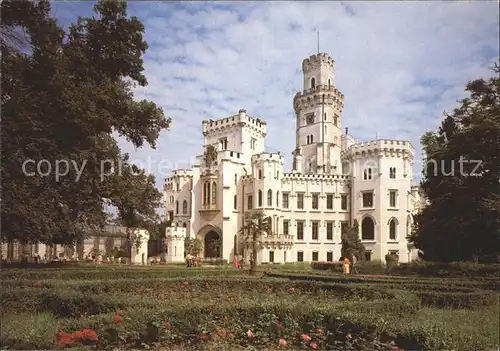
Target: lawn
174	308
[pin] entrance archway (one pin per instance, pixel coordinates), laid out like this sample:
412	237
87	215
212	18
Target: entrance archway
367	229
212	244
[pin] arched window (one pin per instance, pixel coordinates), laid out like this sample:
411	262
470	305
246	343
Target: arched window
185	207
177	207
260	198
206	193
392	229
184	225
329	83
367	229
335	121
235	179
269	225
324	116
313	83
392	172
277	174
214	193
277	198
235	202
269	198
260	174
311	138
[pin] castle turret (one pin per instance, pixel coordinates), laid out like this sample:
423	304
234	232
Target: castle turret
318	109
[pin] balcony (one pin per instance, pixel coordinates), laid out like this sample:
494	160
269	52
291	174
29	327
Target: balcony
209	208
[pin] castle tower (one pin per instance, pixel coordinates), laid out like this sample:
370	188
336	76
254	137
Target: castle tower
318	109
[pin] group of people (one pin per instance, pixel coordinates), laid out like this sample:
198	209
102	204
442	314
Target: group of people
348	265
192	261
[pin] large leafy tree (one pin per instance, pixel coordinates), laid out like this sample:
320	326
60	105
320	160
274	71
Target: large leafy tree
256	226
351	243
461	180
62	98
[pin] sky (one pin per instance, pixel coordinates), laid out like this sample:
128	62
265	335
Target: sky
399	65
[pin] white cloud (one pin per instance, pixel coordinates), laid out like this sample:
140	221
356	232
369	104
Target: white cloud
399	64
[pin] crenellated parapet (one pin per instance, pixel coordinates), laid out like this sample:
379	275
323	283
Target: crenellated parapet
269	157
327	178
314	62
175	233
314	97
178	174
237	120
379	148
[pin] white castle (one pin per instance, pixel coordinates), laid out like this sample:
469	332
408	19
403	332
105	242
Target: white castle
334	182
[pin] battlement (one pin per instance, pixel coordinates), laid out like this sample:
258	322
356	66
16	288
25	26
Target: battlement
300	176
175	232
178	173
315	61
314	97
269	157
228	155
379	147
241	119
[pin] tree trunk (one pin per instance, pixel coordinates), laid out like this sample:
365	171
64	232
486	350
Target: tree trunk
253	262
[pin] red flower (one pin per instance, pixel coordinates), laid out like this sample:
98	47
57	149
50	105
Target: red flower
167	325
250	334
64	339
117	318
313	345
279	325
203	336
90	335
305	337
282	343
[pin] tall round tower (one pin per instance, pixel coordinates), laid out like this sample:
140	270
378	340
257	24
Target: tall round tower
318	109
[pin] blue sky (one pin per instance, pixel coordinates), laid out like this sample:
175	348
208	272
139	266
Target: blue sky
399	65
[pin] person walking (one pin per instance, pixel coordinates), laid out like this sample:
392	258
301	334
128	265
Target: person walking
347	265
354	262
188	260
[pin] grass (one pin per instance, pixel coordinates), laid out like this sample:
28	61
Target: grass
174	308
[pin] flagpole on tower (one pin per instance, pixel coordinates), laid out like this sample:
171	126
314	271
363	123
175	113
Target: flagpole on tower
317	34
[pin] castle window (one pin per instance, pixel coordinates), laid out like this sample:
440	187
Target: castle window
184	225
206	193
368	199
324	116
367	174
286	224
326	130
312	139
307	139
392	172
177	186
300	230
392	198
260	174
277	174
343	202
235	179
250	202
285	200
300	256
329	256
300	201
329	83
235	202
313	83
269	198
277	199
392	229
329	201
271	256
315	201
315	230
252	143
336	120
315	256
214	193
329	230
367	229
260	198
184	207
223	143
177	207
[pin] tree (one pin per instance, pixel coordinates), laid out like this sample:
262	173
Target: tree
255	226
61	101
192	246
351	244
461	180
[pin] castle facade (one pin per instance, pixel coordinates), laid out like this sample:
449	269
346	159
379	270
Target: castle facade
334	181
